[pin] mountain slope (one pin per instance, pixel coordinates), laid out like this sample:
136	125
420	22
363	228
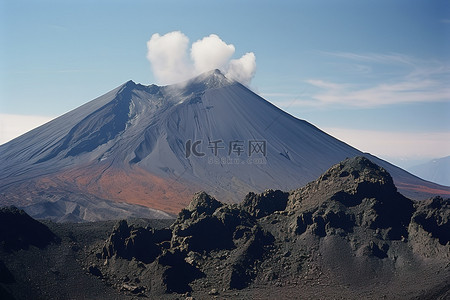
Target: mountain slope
436	170
156	146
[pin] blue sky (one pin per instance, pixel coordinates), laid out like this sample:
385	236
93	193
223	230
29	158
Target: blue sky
372	73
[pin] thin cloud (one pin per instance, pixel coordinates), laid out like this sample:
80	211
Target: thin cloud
381	94
325	84
170	62
415	81
410	145
380	58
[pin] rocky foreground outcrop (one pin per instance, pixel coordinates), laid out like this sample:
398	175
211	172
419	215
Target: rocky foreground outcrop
20	231
349	226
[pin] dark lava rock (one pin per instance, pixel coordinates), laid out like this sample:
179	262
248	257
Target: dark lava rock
353	192
340	219
203	234
19	231
377	250
213	292
177	273
136	290
348	182
162	235
265	204
301	222
350	221
5	275
5	295
233	216
433	216
242	270
94	270
140	243
203	204
115	245
206	225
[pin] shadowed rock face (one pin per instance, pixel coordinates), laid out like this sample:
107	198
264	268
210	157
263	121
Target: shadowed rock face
355	192
353	210
19	231
143	244
432	216
206	226
5	274
203	204
430	227
265	204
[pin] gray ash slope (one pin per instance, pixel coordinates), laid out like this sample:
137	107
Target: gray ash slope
130	146
436	170
349	234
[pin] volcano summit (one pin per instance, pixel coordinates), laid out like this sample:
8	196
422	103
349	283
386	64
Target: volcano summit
144	150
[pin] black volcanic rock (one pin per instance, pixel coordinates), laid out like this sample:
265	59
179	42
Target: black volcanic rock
234	217
347	182
376	250
143	244
94	270
196	229
19	231
266	203
433	216
228	228
204	234
177	273
353	192
5	274
115	245
203	204
245	259
429	230
348	228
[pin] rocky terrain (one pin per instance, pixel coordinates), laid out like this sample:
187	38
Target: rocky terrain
347	235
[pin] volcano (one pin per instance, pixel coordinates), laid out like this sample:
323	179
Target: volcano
144	150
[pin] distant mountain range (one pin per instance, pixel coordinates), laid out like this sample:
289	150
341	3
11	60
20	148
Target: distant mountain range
154	146
436	170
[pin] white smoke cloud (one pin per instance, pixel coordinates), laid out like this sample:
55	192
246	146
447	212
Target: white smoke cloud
168	56
242	69
210	53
